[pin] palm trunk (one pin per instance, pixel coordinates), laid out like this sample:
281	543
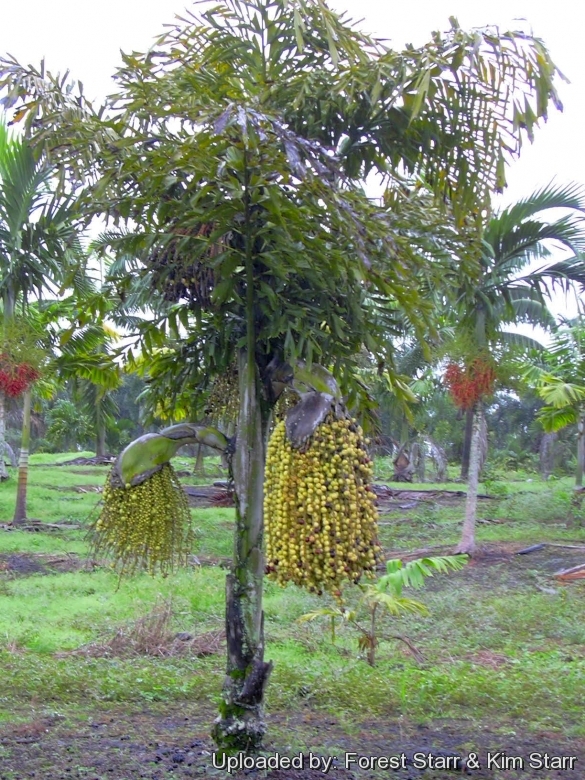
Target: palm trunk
20	510
3	448
466	444
580	452
240	725
546	454
199	462
373	638
100	429
467	543
8	300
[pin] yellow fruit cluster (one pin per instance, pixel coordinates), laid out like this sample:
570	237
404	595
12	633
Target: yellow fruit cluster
147	526
223	401
319	510
286	401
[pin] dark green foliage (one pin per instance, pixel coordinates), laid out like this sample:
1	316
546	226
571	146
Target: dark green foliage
67	427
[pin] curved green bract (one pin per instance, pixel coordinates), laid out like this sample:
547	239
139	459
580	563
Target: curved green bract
150	452
190	433
316	378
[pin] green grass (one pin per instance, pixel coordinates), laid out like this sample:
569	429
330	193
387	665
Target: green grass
63	611
215	529
51	495
51	458
43	543
537	637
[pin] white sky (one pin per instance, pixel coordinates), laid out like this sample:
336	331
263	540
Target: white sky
86	36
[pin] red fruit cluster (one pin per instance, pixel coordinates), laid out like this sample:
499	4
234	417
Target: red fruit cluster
468	385
16	378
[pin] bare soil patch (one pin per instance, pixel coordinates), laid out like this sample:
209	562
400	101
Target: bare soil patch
174	743
389	499
514	568
102	460
23	564
77	488
216	495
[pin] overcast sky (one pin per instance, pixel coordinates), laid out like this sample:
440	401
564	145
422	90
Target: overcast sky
86	36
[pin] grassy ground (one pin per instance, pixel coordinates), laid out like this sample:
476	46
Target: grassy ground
500	662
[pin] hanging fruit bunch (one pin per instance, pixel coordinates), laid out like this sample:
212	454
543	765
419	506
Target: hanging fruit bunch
144	526
223	401
470	384
145	522
319	508
21	357
15	378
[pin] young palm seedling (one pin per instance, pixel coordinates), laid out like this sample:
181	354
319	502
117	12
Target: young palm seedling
386	594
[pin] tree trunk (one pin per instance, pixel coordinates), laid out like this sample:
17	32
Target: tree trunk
419	455
467	543
199	462
403	468
240	725
467	444
3	449
483	442
100	429
8	300
580	452
546	454
20	510
372	638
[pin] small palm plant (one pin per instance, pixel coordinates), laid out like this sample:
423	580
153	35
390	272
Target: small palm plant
386	592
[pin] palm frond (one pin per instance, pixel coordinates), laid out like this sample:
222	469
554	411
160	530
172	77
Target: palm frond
551	196
414	573
558	393
518	340
563	273
554	419
534	312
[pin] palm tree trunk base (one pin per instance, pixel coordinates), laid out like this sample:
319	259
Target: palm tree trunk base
465	548
21	491
239	729
240	726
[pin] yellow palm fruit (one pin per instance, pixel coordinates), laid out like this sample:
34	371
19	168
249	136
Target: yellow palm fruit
319	511
146	526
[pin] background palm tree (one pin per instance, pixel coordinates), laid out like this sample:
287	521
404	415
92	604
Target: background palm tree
558	375
86	359
39	246
509	291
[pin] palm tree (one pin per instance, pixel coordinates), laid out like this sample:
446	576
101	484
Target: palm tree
38	239
558	375
508	292
236	186
87	361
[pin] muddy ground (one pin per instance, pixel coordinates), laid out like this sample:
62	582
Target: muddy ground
173	743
